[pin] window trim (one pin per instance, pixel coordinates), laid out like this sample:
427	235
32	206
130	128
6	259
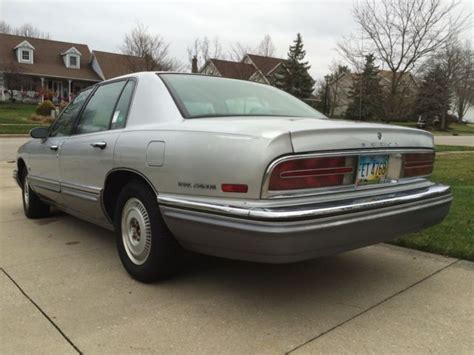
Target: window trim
79	116
25	51
77	65
30	55
129	105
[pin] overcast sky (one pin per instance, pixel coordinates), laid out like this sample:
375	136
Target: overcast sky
102	24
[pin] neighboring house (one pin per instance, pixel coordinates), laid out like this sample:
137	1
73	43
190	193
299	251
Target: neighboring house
34	68
339	90
252	67
109	65
338	93
228	69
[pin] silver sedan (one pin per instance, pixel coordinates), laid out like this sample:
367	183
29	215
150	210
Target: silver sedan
228	168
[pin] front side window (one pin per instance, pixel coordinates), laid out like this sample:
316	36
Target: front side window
65	122
206	96
97	114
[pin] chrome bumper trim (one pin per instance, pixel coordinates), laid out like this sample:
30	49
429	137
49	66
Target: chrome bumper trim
315	210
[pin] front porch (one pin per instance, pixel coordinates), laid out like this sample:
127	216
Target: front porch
31	89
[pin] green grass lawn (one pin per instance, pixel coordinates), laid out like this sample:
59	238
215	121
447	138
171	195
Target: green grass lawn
16	113
453	148
455	235
15	118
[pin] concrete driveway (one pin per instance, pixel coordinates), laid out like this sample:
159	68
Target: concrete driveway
63	290
455	140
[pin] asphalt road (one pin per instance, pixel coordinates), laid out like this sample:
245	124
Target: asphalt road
63	290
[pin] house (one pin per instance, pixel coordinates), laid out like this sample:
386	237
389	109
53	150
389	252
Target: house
32	69
252	67
339	90
110	65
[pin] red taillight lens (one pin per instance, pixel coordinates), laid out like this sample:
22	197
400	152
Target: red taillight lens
240	188
309	173
418	164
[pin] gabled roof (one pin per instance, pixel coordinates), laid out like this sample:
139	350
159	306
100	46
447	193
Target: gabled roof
72	50
265	64
47	58
114	64
24	44
235	70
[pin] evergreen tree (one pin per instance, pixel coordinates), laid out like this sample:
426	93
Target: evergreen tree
434	98
295	78
366	93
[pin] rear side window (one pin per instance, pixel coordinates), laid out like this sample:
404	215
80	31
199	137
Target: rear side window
123	106
98	112
65	122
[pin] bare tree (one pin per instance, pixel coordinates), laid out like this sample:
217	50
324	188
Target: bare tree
26	30
456	62
464	82
238	50
204	49
401	33
266	47
5	27
153	49
338	72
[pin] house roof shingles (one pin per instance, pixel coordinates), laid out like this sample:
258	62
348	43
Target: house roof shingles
114	64
265	64
235	70
47	58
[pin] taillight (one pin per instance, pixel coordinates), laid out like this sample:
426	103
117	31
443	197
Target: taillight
311	173
418	164
239	188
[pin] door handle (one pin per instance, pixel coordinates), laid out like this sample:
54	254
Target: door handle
100	145
54	147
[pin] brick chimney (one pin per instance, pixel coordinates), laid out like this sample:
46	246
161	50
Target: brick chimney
194	65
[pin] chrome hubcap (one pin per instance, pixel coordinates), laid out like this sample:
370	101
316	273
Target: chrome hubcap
26	192
136	231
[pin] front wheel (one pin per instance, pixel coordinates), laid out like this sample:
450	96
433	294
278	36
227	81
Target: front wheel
32	205
146	247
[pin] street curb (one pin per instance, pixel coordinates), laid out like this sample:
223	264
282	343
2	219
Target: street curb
14	135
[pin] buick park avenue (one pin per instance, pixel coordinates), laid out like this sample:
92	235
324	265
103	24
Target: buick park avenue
230	168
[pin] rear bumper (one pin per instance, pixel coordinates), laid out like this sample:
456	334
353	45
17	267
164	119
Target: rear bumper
294	233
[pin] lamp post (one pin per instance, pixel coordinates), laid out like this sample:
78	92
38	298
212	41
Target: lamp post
326	95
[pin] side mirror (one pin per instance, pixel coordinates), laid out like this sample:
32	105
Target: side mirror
39	132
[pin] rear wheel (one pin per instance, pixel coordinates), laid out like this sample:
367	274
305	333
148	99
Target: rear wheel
146	247
32	205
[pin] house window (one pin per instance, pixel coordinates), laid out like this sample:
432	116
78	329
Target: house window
73	61
25	55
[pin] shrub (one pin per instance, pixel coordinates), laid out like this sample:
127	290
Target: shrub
45	108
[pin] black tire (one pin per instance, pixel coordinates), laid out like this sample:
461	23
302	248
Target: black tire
163	255
32	205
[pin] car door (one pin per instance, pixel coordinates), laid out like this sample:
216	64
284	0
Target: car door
87	155
43	162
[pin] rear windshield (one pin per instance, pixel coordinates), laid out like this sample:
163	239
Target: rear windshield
207	96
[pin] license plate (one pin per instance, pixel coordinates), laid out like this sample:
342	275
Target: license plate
372	169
